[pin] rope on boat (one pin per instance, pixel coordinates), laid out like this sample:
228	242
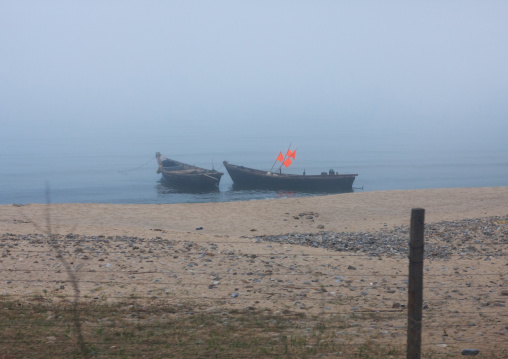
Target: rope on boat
204	174
139	166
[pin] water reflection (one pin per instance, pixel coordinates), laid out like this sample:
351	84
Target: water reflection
228	193
168	187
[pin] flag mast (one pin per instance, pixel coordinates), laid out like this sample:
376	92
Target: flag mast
278	159
281	160
286	158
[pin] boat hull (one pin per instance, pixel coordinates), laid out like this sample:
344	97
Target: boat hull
244	177
197	183
187	177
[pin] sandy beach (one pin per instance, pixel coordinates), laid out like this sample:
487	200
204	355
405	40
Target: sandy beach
363	211
220	254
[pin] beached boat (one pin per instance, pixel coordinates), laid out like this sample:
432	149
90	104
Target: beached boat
187	176
252	178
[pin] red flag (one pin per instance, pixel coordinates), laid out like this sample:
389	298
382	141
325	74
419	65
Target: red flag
287	162
291	154
280	158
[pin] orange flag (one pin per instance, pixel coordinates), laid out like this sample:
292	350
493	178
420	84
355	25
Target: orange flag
291	154
280	158
287	162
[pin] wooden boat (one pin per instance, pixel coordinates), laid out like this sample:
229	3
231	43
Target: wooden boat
252	178
187	176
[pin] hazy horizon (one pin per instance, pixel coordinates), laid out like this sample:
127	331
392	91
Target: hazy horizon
144	75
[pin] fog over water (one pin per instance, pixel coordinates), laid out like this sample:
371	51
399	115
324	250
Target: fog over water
407	95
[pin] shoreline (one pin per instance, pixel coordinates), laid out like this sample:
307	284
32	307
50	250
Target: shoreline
350	212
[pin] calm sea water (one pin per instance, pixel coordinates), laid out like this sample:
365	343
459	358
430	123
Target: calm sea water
121	168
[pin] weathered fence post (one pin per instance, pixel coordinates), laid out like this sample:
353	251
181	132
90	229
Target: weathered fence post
415	286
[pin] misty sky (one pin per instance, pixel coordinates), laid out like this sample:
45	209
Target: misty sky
81	68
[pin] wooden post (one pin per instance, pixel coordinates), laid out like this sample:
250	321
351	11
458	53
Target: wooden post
415	286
